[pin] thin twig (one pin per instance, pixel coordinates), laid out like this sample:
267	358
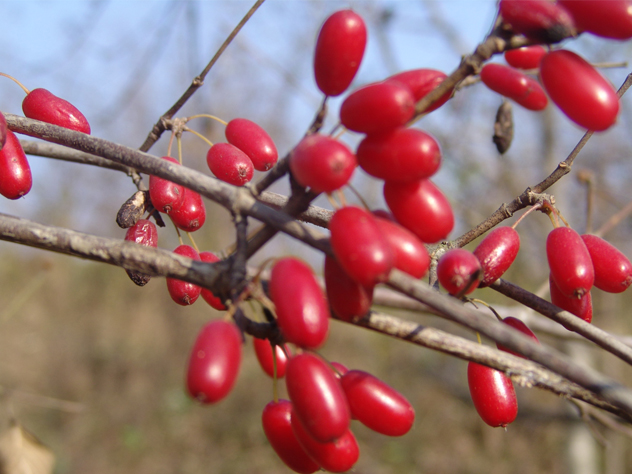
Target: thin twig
198	81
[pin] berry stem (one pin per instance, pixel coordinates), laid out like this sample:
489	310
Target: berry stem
193	242
173	134
213	117
531	209
210	143
17	82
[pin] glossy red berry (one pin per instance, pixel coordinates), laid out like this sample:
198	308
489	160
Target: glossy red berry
254	141
496	252
322	163
263	351
144	232
526	57
493	395
520	326
376	404
319	401
401	155
409	252
301	307
569	261
165	195
190	216
229	164
613	270
338	455
610	19
276	421
514	84
214	362
40	104
421	82
208	295
459	271
580	307
422	208
15	173
183	292
339	51
377	107
540	20
348	299
359	246
577	88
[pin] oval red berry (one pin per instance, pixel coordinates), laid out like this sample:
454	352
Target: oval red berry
578	89
339	51
493	395
322	163
569	261
377	107
377	405
359	246
613	270
214	362
301	307
422	208
401	155
319	401
229	164
459	271
41	104
496	252
16	179
254	141
421	82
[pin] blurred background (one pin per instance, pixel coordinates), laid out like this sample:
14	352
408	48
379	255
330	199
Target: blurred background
94	366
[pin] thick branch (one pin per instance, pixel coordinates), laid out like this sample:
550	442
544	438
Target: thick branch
522	371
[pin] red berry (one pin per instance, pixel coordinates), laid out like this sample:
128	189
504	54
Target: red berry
322	163
496	252
183	292
377	405
459	271
15	173
610	19
514	84
580	307
402	155
144	232
165	195
276	421
540	20
570	263
377	107
410	253
263	351
420	207
520	326
214	362
338	455
339	50
319	401
527	57
190	216
359	246
348	298
229	164
208	295
40	104
613	270
421	82
301	307
493	395
578	89
254	141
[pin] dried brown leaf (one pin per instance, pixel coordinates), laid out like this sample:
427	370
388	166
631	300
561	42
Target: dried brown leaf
22	453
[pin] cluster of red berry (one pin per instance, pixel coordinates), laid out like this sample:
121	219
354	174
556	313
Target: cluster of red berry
576	87
39	104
